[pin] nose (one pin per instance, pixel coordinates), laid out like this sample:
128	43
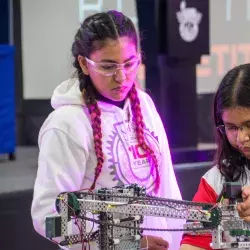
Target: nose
120	75
242	136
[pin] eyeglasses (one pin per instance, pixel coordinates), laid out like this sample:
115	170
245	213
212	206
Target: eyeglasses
110	69
233	130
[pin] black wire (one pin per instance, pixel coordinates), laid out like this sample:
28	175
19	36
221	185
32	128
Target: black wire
148	229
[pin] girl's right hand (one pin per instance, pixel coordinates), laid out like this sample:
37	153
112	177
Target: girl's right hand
153	243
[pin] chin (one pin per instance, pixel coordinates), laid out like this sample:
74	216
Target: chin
119	98
246	153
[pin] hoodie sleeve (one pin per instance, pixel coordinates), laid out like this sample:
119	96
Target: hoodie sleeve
61	167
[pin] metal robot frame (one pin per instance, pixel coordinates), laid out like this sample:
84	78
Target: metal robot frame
119	212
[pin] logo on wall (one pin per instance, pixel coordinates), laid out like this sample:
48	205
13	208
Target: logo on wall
189	19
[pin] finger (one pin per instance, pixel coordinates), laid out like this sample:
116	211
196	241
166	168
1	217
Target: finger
244	211
155	247
241	207
161	242
245	205
247	218
245	192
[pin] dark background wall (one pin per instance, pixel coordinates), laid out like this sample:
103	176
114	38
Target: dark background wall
4	22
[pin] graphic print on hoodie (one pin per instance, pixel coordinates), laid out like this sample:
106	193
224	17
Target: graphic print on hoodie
129	164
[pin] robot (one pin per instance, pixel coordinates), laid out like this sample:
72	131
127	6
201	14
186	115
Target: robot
119	213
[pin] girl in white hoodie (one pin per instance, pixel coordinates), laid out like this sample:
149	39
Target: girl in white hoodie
104	131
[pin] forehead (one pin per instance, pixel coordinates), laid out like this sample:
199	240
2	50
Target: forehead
237	115
116	50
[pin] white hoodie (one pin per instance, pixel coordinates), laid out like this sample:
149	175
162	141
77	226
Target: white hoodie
67	158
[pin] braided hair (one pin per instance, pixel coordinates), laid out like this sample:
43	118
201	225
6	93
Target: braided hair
90	37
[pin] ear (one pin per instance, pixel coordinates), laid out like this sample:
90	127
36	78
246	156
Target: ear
83	64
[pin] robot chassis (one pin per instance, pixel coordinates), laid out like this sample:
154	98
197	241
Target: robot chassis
119	213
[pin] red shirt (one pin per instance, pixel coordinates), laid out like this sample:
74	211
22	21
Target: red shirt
206	193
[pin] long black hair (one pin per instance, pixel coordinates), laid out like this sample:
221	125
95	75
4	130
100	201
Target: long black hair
233	91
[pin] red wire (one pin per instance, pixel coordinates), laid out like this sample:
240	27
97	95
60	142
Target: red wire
76	220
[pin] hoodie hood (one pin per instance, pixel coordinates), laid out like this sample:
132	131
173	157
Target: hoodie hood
67	93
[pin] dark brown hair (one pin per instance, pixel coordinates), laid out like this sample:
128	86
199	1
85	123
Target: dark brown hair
92	36
233	91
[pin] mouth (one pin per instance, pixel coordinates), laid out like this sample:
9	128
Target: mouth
121	88
245	149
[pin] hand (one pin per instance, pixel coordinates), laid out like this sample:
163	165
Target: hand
153	243
244	207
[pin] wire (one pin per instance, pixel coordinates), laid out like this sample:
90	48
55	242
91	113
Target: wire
222	199
89	234
86	189
216	205
76	219
93	224
54	241
146	201
141	201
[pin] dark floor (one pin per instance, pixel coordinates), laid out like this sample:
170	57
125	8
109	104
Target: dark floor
16	190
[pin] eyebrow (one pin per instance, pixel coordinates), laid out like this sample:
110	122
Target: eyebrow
231	124
112	61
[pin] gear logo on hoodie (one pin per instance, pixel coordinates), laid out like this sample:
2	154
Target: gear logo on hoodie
129	164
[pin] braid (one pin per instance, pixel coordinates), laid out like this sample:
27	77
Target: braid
90	37
95	115
138	118
88	93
